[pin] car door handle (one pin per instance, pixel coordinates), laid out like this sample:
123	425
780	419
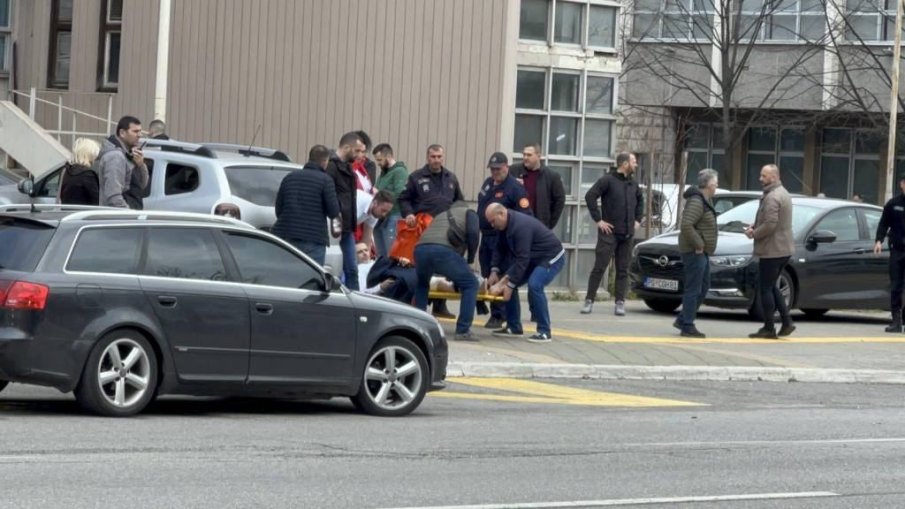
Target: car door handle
264	308
859	250
167	301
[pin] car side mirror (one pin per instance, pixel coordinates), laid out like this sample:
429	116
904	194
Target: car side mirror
330	282
822	237
27	187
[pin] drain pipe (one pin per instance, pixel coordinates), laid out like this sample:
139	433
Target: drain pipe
163	60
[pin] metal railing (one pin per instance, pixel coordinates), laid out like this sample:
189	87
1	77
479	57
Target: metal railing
73	115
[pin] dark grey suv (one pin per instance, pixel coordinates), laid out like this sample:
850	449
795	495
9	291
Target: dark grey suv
121	306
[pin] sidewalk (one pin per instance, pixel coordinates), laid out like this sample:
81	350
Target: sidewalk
840	347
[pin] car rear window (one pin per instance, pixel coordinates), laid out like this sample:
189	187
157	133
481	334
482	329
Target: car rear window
22	243
257	184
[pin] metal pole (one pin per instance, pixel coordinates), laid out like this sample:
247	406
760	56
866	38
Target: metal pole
894	105
32	96
163	54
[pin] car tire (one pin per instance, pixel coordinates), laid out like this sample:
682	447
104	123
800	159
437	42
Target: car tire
663	305
787	285
385	389
3	384
120	376
813	313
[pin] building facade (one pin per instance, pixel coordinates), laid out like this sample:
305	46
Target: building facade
476	76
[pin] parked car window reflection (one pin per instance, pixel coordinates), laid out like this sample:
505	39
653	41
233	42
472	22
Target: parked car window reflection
262	262
185	253
736	219
844	223
107	250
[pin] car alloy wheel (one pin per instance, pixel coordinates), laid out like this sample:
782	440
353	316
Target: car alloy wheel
120	376
395	378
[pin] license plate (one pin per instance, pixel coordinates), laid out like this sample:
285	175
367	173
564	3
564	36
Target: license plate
661	284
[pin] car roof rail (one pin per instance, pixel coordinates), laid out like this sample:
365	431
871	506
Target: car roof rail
178	146
49	207
248	151
151	215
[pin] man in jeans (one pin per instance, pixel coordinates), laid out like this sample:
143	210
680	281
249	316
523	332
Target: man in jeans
773	246
339	168
697	242
440	252
617	218
536	257
393	177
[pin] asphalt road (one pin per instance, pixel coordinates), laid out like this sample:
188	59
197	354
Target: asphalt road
575	444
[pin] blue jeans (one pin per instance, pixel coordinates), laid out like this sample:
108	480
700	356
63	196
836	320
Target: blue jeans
696	269
385	234
433	259
317	252
538	280
350	262
485	257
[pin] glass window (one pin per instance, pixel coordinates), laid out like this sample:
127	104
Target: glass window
602	26
565	173
864	27
565	92
873	220
812	27
259	185
697	161
61	58
183	253
599	95
597	138
533	20
181	179
762	138
261	262
589	175
563	228
4	43
792	140
4	13
109	250
834	176
64	10
60	43
528	129
22	243
563	136
843	222
869	142
50	186
698	136
111	68
784	27
837	141
108	53
568	22
866	180
530	90
755	163
645	25
792	169
114	10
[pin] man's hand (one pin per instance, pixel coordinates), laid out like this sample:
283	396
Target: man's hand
138	157
497	289
605	227
507	293
404	262
749	232
878	247
637	225
386	284
410	220
493	279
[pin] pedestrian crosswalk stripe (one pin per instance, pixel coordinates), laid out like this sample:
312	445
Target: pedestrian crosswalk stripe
529	391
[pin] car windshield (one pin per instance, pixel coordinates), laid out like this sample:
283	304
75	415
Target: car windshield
736	219
257	184
8	178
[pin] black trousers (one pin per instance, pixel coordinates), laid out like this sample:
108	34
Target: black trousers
607	246
771	299
896	279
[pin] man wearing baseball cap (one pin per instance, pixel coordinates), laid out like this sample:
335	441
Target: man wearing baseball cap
502	188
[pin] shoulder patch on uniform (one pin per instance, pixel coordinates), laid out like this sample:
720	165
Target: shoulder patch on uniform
523	203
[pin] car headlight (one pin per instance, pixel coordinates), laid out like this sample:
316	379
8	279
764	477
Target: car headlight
731	260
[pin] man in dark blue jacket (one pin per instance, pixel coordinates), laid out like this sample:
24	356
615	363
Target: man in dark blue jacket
432	189
306	199
500	187
536	257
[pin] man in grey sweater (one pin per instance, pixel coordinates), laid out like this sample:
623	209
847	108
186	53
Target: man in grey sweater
121	168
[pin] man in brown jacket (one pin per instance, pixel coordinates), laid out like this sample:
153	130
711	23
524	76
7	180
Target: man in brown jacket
773	246
697	242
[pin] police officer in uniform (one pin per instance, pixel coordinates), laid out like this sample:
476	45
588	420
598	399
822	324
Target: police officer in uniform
892	225
502	188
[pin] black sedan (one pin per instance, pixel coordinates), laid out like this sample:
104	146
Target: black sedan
833	266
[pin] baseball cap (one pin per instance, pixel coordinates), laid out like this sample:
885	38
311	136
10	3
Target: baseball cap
497	160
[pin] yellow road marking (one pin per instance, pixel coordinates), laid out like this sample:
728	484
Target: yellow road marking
529	391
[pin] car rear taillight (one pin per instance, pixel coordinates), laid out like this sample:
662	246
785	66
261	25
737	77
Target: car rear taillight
23	295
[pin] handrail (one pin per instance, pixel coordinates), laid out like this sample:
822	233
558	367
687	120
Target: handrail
67	108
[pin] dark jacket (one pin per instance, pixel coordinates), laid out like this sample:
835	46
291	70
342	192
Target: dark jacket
344	180
306	198
528	243
426	192
438	231
551	195
892	223
508	193
79	186
698	228
622	202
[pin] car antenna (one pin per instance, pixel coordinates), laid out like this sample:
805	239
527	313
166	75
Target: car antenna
253	138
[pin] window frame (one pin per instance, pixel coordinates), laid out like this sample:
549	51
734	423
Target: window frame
852	156
58	26
6	33
212	233
108	27
139	252
711	150
236	269
584	36
179	167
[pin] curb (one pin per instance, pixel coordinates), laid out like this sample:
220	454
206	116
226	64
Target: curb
672	373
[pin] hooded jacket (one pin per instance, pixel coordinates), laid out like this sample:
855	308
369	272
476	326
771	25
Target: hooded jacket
698	229
118	175
79	186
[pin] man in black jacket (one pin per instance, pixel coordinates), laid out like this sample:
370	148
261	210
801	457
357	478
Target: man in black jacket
622	207
892	225
340	169
432	189
546	195
305	201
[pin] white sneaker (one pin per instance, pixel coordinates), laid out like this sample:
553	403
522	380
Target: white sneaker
620	308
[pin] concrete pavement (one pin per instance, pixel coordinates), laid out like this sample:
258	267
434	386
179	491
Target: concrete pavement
839	347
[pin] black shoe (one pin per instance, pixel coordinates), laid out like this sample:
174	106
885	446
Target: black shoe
677	324
493	323
507	333
540	338
692	332
764	333
440	310
894	328
786	330
533	319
